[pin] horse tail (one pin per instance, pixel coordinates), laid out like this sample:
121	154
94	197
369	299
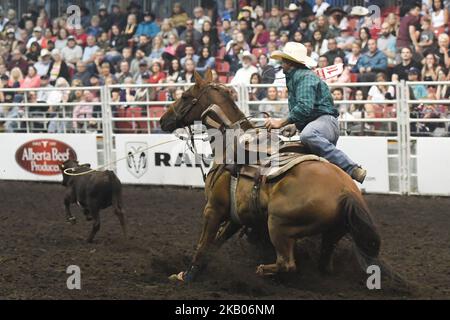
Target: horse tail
367	241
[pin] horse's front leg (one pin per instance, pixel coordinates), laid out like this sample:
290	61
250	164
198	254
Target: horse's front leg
212	219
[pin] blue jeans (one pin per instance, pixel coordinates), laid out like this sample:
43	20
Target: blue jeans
321	136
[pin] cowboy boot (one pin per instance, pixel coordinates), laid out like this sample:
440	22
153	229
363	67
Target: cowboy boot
359	174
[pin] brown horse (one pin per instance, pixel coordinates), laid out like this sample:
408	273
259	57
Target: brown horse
314	197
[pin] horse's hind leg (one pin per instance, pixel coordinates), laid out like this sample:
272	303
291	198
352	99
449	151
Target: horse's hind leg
329	240
283	240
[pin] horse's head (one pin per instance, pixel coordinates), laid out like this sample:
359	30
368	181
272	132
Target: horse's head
196	100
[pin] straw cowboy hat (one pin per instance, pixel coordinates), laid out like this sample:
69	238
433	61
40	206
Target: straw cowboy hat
292	7
359	11
296	52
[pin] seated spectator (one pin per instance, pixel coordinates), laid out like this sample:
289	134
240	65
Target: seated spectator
190	35
131	27
378	93
187	75
441	50
139	57
345	40
58	68
320	7
106	74
167	29
157	49
174	49
15	78
387	43
275	110
81	36
419	91
407	37
179	17
364	37
18	112
83	111
55	110
42	95
17	60
205	61
90	49
344	77
232	56
261	36
118	41
255	93
319	44
333	51
430	70
427	37
43	65
199	18
82	73
124	72
246	30
266	71
273	22
243	75
286	27
322	62
206	42
439	17
143	75
72	53
103	42
189	53
61	39
399	72
94	29
226	32
298	36
174	74
370	63
32	80
228	12
37	37
353	57
33	53
148	27
157	75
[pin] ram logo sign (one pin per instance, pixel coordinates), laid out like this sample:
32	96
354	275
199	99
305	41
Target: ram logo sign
137	158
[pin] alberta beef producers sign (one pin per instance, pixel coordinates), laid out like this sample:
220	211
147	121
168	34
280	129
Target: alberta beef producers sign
42	156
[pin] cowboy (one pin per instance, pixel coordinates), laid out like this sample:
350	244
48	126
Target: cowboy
311	109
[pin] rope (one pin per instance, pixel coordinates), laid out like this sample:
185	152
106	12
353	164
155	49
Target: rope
66	171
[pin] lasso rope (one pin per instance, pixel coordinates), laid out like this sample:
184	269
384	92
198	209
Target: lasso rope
71	173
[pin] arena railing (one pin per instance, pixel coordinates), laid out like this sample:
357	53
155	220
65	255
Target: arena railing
397	127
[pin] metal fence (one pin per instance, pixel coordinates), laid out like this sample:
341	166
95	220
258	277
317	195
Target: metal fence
112	114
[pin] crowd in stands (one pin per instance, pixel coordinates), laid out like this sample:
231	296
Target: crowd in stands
129	46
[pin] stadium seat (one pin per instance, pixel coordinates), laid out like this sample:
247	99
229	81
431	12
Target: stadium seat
222	67
259	51
353	77
223	79
220	54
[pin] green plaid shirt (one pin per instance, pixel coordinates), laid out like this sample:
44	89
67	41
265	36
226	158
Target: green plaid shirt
309	97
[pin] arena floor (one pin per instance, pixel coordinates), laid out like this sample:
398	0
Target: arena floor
164	223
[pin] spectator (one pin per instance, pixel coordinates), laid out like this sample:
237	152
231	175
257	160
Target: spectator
407	36
243	75
370	63
139	57
157	75
400	70
37	37
90	49
82	73
61	39
261	36
143	74
205	61
72	53
43	65
344	77
16	78
174	74
189	53
188	71
304	29
266	71
106	74
81	36
131	27
167	29
273	23
118	41
190	35
439	17
18	61
84	111
294	14
33	53
364	37
94	29
42	95
246	30
179	17
319	44
442	50
124	73
226	31
58	68
256	93
392	20
55	110
377	94
419	91
157	49
426	39
320	7
345	40
387	43
199	18
228	12
333	51
105	19
430	70
275	110
306	10
148	27
286	26
322	62
353	57
32	80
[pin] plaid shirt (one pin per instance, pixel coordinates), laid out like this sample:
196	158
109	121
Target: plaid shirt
309	97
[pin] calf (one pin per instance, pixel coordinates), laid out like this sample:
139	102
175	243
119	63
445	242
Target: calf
92	191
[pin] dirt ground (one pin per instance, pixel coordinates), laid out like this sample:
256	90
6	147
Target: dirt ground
37	245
